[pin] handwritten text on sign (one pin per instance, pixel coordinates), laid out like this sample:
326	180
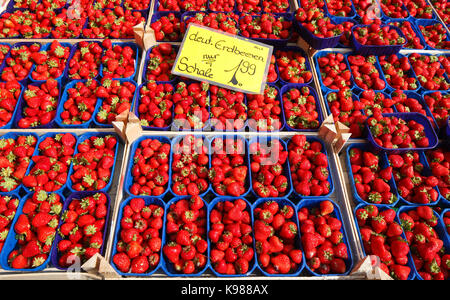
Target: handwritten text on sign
222	59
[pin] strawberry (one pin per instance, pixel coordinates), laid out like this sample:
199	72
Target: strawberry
438	105
168	28
227	108
226	22
265	26
314	20
118	61
54	62
190	105
155	105
378	35
429	71
248	6
340	9
113	23
160	62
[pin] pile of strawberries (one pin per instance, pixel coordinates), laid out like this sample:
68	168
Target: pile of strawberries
346	37
221	5
265	26
300	109
191	103
85	62
383	236
27	24
139	244
51	62
435	35
397	71
135	5
228	109
334	71
439	162
292	66
264	111
116	96
182	5
118	61
80	103
20	61
190	162
340	8
160	61
150	170
248	6
429	71
275	6
316	22
226	22
155	104
8	208
309	167
412	39
277	238
371	180
231	237
82	229
185	249
114	23
229	170
394	9
39	104
168	28
412	183
9	96
268	162
51	165
375	102
431	259
322	238
405	103
439	105
65	27
15	155
393	133
93	162
35	230
346	110
419	9
378	35
365	72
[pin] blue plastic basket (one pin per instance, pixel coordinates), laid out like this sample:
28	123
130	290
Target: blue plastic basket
316	62
302	53
11	241
14	113
36	153
117	230
247	184
76	47
352	13
414	28
425	22
265	140
312	203
166	265
317	42
129	177
340	20
55	254
136	57
100	102
147	58
377	50
60	108
174	142
157	15
45	47
13	196
252	264
440	231
410	264
383	163
136	110
426	172
252	124
419	118
15	135
409	74
21	105
386	17
80	140
427	164
275	42
281	202
386	95
286	88
447	79
311	139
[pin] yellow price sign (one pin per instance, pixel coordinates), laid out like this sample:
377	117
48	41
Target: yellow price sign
223	59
